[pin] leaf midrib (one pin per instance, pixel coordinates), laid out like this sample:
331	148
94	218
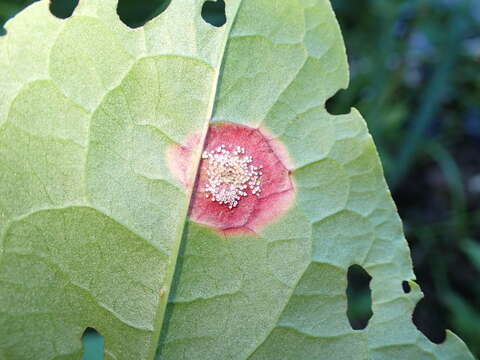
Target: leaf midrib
160	315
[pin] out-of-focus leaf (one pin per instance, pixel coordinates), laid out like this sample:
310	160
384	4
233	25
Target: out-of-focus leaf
472	251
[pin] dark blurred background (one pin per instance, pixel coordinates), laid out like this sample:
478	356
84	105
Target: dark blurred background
415	67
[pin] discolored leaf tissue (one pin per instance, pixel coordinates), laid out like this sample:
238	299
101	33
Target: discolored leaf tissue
121	211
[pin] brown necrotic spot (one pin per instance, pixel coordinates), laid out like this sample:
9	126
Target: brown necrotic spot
243	182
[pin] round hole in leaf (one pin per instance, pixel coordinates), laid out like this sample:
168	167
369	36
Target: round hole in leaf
63	9
213	12
137	13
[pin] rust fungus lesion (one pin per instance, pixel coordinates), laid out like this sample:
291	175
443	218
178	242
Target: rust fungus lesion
243	182
231	175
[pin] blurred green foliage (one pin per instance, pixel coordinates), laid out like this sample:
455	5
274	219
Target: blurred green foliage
416	79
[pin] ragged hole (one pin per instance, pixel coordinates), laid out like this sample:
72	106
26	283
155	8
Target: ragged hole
93	344
341	102
213	12
9	10
63	9
426	318
136	13
359	296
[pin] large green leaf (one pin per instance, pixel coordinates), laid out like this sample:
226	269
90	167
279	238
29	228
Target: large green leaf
93	222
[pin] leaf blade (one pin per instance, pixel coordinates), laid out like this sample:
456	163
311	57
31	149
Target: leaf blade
89	110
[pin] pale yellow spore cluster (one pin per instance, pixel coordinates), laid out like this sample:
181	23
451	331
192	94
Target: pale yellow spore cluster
231	175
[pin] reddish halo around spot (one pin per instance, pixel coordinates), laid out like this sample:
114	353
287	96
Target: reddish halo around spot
252	212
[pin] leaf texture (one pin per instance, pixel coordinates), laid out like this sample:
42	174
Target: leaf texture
94	229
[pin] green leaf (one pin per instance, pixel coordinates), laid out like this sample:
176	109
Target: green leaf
93	222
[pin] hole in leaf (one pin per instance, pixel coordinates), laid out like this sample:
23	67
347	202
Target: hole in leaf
359	297
8	9
406	287
426	319
136	13
63	9
93	344
213	12
341	102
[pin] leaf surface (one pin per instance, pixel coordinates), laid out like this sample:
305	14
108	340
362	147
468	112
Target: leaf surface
93	220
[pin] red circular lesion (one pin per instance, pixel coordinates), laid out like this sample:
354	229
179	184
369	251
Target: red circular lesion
253	211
